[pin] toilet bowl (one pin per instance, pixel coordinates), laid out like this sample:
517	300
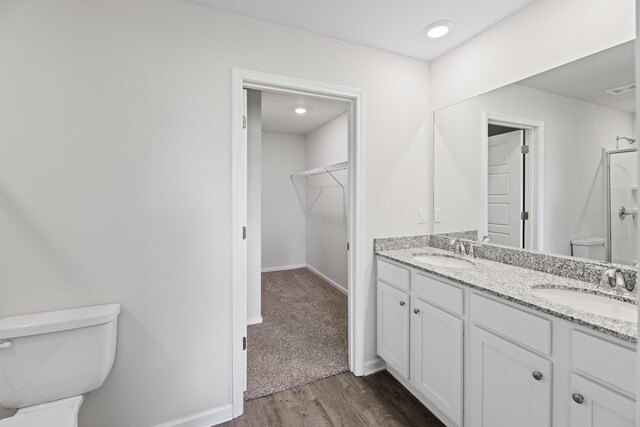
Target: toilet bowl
49	361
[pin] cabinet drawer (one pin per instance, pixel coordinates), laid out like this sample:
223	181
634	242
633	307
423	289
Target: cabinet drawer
394	275
604	360
438	293
525	328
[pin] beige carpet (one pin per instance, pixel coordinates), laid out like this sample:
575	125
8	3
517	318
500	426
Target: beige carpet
303	336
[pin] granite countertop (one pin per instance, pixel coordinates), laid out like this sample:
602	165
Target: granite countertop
516	284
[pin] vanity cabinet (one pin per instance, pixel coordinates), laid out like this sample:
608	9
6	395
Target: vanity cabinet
393	328
477	360
509	386
593	405
437	357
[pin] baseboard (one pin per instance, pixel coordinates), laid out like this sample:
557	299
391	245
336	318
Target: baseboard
328	280
208	418
283	267
373	366
254	320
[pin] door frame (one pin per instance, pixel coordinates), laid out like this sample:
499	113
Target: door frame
249	79
534	174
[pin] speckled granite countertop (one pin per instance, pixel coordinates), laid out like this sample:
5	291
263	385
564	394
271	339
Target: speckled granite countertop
516	284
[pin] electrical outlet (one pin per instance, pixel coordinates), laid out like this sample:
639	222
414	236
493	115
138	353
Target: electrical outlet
436	215
421	216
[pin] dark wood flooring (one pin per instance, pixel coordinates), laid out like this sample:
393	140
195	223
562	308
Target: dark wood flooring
341	400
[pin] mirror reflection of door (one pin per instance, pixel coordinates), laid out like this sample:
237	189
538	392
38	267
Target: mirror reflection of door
506	188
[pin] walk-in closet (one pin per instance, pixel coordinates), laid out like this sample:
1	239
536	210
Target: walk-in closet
297	237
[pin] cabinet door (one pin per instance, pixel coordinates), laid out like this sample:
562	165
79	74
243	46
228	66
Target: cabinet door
393	328
436	354
509	386
593	405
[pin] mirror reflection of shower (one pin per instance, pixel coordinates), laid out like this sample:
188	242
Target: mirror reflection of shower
622	203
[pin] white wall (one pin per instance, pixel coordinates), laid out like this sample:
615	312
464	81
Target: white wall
283	212
543	35
115	180
327	232
574	134
254	202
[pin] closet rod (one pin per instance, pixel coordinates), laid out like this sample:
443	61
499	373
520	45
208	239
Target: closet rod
325	169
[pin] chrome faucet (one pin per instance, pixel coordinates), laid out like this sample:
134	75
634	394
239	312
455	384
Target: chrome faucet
485	239
462	248
457	246
613	278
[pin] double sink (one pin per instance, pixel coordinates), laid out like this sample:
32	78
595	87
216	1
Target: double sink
591	301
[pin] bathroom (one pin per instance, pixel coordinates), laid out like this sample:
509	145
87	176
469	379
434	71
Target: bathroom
120	184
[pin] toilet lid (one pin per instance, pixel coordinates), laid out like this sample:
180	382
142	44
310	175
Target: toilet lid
57	416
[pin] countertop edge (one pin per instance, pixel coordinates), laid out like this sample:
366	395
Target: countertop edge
625	337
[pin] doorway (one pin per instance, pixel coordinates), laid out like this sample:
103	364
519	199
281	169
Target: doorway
246	79
512	176
297	277
506	190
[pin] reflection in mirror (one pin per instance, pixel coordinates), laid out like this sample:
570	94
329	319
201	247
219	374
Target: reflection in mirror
548	163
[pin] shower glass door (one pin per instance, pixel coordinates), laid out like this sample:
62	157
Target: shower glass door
622	215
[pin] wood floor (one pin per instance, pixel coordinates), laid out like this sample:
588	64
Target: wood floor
341	400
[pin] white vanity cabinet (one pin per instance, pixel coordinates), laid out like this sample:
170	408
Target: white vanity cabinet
437	357
509	386
421	337
602	382
478	360
393	328
594	405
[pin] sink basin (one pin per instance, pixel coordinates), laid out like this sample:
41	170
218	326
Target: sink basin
443	261
601	305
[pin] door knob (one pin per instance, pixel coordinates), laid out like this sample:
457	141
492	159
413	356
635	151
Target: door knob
537	375
402	303
578	398
416	311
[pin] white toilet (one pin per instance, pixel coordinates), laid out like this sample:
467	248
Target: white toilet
49	361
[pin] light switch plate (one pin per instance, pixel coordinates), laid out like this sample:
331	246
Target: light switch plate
436	215
421	216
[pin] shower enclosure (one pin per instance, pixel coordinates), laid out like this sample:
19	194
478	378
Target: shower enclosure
622	205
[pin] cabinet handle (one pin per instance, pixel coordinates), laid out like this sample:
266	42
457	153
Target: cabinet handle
6	345
537	375
578	398
416	311
402	303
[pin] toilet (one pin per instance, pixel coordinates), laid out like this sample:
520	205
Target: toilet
49	361
590	248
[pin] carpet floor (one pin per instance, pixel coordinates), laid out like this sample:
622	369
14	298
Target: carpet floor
303	334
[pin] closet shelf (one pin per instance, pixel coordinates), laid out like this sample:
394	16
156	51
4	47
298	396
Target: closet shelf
325	169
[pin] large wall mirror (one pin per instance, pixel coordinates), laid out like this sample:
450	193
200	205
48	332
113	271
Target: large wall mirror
548	163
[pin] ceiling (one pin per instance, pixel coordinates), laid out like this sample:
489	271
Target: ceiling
588	78
278	115
391	25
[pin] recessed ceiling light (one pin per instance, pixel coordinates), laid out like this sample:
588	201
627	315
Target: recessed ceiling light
300	110
438	29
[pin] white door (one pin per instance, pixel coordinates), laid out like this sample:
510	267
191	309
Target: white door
393	328
509	386
593	405
505	183
437	361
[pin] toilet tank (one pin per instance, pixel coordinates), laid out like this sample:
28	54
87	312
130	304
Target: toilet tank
54	355
590	248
